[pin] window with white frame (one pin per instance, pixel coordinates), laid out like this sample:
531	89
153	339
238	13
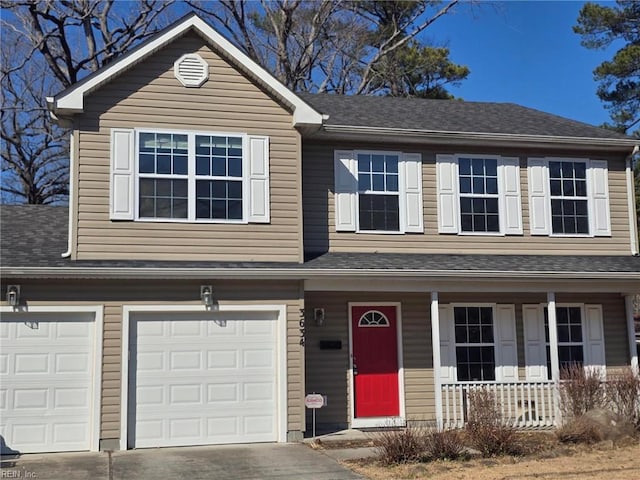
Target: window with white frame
474	343
478	194
189	176
378	192
219	177
570	337
568	195
478	182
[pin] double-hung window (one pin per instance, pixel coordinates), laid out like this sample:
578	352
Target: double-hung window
218	177
475	349
568	197
189	176
378	193
568	194
478	182
570	342
580	338
478	194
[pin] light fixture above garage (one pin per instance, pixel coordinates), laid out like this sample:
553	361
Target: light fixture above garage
13	295
206	295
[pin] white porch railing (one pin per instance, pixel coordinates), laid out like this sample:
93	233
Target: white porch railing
523	404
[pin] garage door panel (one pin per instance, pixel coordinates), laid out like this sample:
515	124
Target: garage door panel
46	371
204	380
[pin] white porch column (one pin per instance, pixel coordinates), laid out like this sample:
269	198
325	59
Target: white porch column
435	346
553	336
631	332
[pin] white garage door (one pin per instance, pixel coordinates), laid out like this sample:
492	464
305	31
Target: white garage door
46	381
203	378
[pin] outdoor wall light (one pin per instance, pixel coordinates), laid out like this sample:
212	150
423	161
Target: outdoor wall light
13	295
206	295
318	315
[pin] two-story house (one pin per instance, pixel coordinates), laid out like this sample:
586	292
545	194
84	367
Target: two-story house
231	246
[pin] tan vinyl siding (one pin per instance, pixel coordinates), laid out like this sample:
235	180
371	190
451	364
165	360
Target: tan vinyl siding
113	294
149	96
326	370
319	210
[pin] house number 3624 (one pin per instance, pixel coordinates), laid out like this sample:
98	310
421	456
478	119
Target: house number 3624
301	324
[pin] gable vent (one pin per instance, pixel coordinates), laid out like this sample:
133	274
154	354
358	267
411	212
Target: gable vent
191	70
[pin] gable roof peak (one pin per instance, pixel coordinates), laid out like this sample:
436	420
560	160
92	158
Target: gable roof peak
71	100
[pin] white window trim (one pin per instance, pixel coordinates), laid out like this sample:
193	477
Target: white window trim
583	326
401	194
387	324
589	197
500	196
191	176
495	345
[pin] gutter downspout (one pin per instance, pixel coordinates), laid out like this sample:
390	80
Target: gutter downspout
633	225
67	254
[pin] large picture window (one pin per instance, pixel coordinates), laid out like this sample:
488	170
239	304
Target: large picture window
475	347
378	192
190	176
569	204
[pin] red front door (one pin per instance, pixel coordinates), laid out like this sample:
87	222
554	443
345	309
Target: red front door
375	361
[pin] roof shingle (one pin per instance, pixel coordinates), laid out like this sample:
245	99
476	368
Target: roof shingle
449	116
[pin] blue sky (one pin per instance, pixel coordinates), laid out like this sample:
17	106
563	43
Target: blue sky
526	53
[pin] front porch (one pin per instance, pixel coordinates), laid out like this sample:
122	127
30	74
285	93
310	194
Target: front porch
524	405
514	345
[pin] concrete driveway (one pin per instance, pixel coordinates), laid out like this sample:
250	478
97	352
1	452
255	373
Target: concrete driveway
259	461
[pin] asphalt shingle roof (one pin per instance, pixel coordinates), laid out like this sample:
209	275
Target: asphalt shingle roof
36	236
449	116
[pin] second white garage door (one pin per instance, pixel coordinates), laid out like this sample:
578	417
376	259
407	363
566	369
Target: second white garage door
203	378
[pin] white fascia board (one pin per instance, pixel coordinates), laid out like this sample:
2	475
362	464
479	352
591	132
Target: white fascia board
300	273
72	100
448	136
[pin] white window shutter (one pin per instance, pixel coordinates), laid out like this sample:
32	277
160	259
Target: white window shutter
594	355
539	203
511	216
447	345
507	350
346	187
447	182
535	349
599	187
258	179
122	201
411	178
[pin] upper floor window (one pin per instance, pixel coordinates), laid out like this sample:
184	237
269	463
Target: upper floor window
189	176
378	191
568	194
478	180
478	194
569	197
